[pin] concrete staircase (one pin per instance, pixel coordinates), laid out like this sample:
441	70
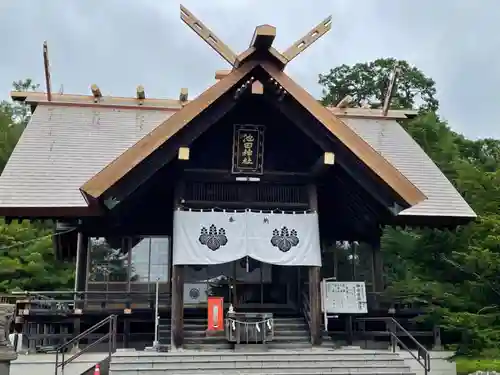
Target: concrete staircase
290	333
196	337
164	332
273	362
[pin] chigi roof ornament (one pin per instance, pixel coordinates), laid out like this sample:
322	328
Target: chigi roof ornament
262	39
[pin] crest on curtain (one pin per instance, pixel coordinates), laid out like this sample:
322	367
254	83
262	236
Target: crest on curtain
284	239
212	239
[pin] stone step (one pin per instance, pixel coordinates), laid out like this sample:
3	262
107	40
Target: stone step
259	368
291	332
225	363
289	345
286	325
204	339
208	347
344	355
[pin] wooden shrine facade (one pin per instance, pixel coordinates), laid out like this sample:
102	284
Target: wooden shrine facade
254	140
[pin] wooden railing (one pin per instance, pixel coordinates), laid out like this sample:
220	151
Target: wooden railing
66	302
110	321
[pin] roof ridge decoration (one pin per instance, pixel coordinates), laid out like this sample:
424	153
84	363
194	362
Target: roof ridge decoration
262	39
260	55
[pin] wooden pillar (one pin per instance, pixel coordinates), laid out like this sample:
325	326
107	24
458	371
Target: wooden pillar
81	262
177	314
378	267
126	332
177	284
81	266
314	282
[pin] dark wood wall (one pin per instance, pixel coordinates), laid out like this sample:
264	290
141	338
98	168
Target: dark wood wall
286	148
347	210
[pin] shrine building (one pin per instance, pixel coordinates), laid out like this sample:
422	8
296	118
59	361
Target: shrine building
252	191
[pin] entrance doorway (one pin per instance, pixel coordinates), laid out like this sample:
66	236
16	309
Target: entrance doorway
248	285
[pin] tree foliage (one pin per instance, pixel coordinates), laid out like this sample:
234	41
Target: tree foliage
453	275
368	83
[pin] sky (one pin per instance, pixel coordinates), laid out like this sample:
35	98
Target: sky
119	44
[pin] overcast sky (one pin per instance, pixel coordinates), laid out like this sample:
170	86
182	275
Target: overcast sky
119	44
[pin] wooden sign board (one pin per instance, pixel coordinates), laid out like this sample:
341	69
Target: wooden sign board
344	297
248	149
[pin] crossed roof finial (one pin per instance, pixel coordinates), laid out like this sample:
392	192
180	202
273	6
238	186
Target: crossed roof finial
262	39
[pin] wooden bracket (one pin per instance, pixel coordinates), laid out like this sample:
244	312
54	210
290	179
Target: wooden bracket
263	37
300	45
208	36
324	162
183	153
219	74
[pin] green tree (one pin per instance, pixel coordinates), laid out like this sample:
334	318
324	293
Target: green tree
452	275
27	260
369	82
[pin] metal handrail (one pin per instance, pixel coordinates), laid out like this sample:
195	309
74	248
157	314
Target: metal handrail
423	357
110	336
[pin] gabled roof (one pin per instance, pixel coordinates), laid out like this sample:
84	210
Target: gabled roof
394	143
123	164
81	146
64	146
116	170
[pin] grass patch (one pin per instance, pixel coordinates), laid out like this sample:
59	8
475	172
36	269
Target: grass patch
466	365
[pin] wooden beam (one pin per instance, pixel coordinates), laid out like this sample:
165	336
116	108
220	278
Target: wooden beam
36	98
46	65
219	74
184	153
118	168
390	90
263	37
140	93
183	96
357	145
208	36
322	165
245	55
302	44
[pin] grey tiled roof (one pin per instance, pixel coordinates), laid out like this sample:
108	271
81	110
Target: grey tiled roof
398	147
63	147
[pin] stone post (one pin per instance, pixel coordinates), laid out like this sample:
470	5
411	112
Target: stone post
7	352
